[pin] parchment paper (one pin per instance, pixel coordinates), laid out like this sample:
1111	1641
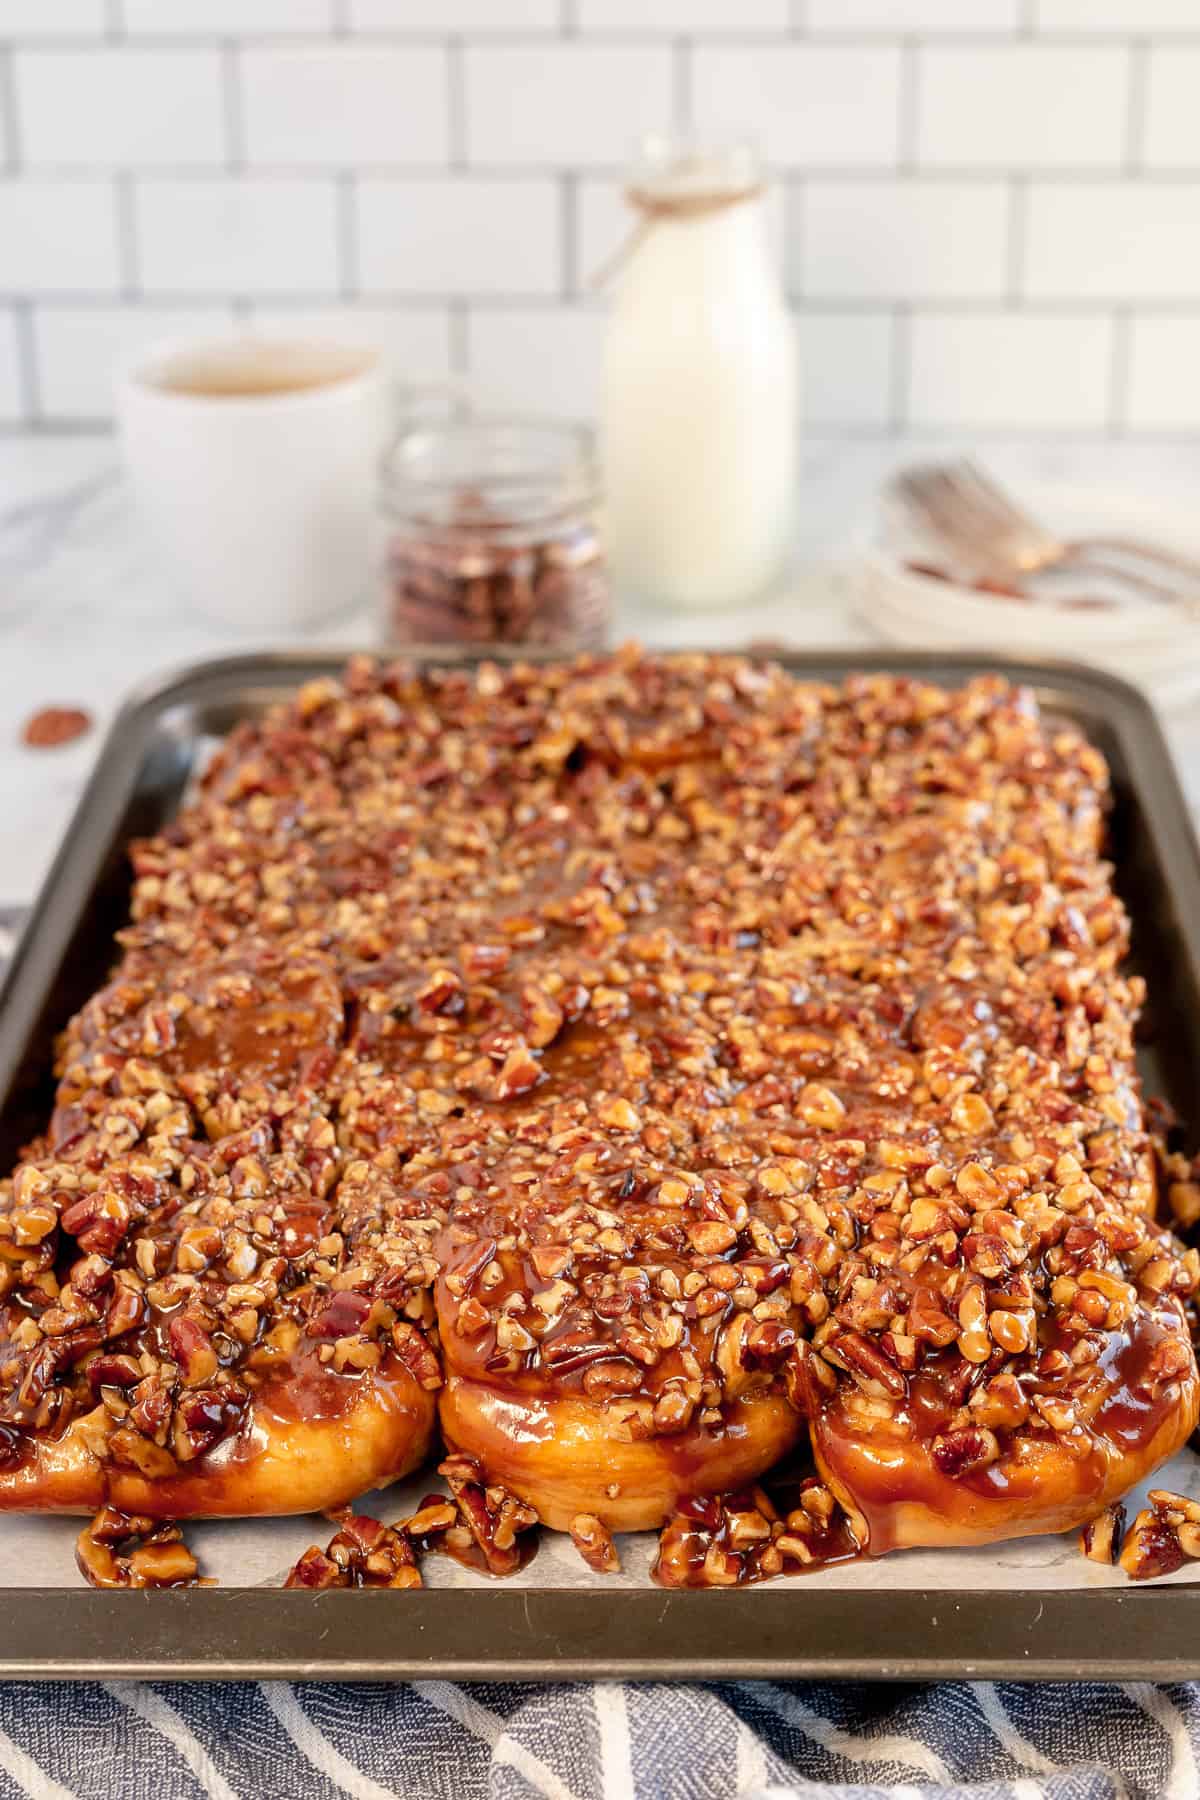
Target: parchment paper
39	1552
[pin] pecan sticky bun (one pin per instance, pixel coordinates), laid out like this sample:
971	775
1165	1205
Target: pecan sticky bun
650	1065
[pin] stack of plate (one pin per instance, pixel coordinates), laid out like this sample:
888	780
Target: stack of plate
1076	614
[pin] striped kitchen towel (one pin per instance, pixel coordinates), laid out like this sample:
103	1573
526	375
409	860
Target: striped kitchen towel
745	1741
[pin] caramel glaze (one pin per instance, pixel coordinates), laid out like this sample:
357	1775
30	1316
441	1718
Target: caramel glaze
299	1446
883	1474
567	1456
660	1052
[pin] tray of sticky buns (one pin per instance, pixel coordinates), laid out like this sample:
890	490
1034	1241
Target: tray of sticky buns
743	1101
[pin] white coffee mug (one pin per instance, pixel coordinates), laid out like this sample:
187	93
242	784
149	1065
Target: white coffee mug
253	462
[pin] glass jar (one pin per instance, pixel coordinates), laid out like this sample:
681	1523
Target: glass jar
491	535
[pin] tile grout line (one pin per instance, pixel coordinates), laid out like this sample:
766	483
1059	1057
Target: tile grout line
1133	162
907	107
1119	369
630	39
127	235
568	215
900	382
27	364
349	265
681	85
233	116
848	431
932	306
8	110
795	225
460	354
1017	225
927	175
456	104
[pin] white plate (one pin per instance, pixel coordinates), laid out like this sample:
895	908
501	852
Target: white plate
1150	642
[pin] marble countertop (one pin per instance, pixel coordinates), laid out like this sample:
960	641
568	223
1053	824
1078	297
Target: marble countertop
85	614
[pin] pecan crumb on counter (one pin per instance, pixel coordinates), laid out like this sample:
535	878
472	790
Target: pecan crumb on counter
127	1550
55	725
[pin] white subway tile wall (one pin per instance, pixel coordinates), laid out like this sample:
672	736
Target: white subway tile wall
564	104
458	235
58	237
807	105
206	18
237	235
1164	374
52	18
906	239
346	105
987	211
144	108
1007	371
1172	129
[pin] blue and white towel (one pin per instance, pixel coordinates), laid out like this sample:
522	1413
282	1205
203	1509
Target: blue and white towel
745	1741
437	1740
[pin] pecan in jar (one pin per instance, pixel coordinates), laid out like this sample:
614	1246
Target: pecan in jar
492	536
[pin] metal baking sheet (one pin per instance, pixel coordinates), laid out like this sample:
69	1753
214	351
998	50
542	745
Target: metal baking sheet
551	1627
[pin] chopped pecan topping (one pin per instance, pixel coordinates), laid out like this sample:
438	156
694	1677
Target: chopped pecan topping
660	1033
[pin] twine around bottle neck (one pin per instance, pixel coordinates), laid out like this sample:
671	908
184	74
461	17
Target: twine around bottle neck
654	207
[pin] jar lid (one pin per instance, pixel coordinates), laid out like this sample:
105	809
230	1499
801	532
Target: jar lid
504	472
687	175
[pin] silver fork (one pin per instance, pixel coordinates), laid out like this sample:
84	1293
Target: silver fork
977	521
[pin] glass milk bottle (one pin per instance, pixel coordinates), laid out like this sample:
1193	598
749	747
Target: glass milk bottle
699	411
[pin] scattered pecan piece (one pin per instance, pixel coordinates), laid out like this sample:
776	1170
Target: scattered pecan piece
1100	1539
129	1550
362	1553
55	725
490	1519
594	1542
730	1540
